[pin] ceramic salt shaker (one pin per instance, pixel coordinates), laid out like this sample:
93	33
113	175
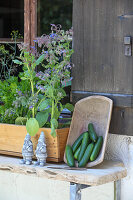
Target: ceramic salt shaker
27	151
41	152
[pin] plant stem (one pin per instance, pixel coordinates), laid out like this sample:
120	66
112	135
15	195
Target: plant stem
52	112
32	89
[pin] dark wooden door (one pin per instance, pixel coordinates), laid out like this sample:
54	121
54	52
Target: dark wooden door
101	66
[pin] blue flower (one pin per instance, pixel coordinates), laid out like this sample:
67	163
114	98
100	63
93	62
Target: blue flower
30	107
53	35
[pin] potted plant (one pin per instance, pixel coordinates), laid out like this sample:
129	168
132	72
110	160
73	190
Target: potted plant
39	105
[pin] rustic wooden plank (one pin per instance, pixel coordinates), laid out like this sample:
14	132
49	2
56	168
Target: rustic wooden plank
120	100
33	20
105	67
106	172
78	42
122	121
123	71
9	40
27	20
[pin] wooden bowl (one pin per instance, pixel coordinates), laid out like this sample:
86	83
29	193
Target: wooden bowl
96	110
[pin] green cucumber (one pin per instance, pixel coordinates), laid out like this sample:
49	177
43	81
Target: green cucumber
92	132
96	149
86	155
69	156
84	144
77	153
77	143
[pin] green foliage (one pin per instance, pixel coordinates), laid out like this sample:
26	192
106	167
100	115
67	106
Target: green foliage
20	121
15	97
37	97
42	118
54	12
32	126
44	104
8	53
57	52
7	96
69	106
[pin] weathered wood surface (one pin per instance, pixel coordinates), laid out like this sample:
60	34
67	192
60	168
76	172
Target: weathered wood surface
122	121
27	21
120	100
96	110
106	172
78	45
33	20
100	63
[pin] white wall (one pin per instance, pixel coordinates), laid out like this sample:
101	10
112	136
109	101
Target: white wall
120	147
15	186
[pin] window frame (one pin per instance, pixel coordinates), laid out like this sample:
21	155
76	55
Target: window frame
30	23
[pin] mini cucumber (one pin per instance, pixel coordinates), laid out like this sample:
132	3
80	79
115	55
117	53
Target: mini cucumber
96	149
77	153
92	132
86	155
69	156
77	143
84	144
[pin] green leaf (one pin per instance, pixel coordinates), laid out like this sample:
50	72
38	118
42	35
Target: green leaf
21	121
18	62
53	132
61	107
49	92
69	106
32	126
54	123
23	78
39	60
62	91
44	105
40	96
56	113
42	118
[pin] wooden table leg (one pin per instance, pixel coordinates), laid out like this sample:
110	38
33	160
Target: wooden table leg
117	190
75	190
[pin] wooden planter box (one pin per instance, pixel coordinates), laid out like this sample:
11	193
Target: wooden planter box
12	139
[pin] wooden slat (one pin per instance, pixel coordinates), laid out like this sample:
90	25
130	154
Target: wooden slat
33	20
27	20
78	42
8	40
120	100
122	121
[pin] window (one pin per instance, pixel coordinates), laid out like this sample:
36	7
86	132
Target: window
53	12
11	17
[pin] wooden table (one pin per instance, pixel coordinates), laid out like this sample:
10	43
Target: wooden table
79	179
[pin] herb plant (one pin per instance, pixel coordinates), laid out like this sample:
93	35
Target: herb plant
52	53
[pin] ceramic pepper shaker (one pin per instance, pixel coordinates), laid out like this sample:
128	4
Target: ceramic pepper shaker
27	151
41	152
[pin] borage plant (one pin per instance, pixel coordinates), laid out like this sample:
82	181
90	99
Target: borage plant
29	62
53	53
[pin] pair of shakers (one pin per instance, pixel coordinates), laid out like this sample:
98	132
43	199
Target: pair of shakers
40	152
